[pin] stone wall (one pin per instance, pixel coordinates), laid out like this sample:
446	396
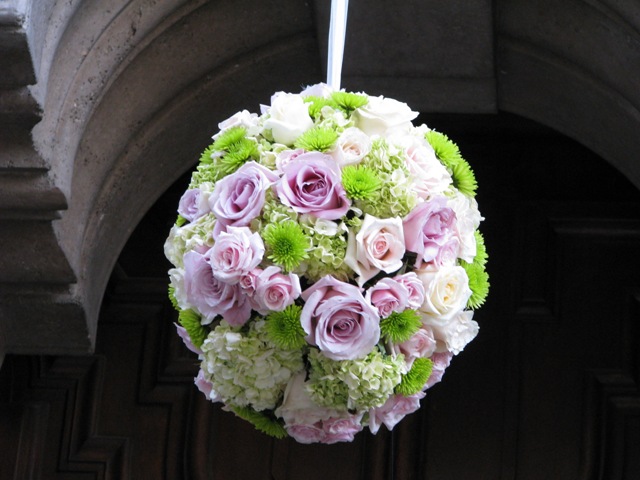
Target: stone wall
104	104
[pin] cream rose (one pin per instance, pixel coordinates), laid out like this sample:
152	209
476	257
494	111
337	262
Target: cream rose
352	146
446	293
384	116
378	245
288	118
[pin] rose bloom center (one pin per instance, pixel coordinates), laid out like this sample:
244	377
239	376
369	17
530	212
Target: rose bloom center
380	245
344	324
242	196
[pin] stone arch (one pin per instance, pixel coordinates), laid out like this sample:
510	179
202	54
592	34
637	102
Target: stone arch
132	89
575	67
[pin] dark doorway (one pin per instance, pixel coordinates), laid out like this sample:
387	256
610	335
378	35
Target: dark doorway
548	390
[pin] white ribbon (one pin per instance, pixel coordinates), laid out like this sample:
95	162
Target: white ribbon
337	31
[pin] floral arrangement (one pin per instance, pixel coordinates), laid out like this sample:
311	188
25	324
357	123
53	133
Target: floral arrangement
327	262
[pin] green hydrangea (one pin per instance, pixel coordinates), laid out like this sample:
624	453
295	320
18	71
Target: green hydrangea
354	384
246	368
326	253
273	212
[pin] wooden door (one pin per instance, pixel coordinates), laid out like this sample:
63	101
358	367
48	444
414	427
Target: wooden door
548	390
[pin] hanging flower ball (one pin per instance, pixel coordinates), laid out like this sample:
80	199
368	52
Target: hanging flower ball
326	263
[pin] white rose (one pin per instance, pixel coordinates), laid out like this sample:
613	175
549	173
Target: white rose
240	119
173	247
457	332
446	293
318	90
288	117
383	116
378	245
429	176
467	222
352	146
176	278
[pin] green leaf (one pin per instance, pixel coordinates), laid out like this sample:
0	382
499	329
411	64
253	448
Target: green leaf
262	422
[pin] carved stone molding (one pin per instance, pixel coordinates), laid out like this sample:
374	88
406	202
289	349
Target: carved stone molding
104	104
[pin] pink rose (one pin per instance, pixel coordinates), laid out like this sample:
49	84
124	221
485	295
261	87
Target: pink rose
301	415
210	296
378	245
186	339
311	184
427	228
394	410
235	253
249	280
306	434
285	157
339	320
275	291
430	177
448	253
421	345
341	429
308	422
206	387
238	198
414	286
440	363
193	204
388	296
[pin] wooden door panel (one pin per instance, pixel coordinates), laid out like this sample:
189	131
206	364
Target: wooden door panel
548	390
